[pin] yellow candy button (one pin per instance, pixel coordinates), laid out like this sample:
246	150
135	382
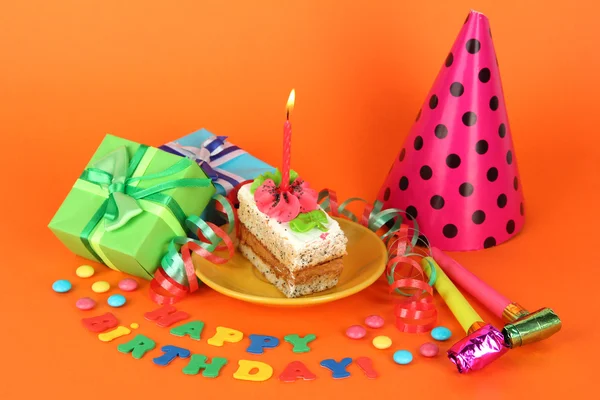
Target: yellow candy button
382	342
85	271
100	287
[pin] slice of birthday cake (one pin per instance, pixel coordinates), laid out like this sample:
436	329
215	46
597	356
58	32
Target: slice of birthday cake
288	237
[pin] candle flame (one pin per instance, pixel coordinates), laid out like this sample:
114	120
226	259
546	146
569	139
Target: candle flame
291	101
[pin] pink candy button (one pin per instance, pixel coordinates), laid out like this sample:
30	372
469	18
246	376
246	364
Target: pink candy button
128	285
356	332
374	321
85	303
429	349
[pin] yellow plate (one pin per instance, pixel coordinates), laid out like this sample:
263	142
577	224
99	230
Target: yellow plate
239	279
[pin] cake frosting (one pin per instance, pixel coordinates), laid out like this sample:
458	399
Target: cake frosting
296	250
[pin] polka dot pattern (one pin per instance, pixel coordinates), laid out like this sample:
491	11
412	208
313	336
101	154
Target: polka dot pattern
484	75
411	212
473	46
469	118
492	174
426	172
450	231
478	217
453	161
403	184
457	89
494	103
481	147
457	172
433	102
418	143
386	194
441	131
466	189
437	202
502	130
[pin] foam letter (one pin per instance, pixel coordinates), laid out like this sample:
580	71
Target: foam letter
295	370
264	371
193	329
198	362
260	342
338	370
166	316
171	353
300	344
100	323
115	333
138	346
366	364
225	335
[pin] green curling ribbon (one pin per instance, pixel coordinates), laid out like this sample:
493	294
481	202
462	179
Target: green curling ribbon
375	220
304	222
114	172
172	262
376	217
274	176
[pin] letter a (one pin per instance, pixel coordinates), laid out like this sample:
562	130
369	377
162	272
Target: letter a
296	370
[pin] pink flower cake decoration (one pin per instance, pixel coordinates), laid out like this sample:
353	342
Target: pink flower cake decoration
457	171
283	205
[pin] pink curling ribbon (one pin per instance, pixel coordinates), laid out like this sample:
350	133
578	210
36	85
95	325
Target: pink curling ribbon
416	312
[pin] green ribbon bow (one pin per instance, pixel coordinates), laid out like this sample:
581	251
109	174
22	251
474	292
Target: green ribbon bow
113	172
110	172
306	221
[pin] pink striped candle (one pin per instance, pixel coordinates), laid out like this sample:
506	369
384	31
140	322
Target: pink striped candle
287	143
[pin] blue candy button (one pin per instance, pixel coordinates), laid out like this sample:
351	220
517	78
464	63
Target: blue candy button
61	286
441	333
116	300
403	357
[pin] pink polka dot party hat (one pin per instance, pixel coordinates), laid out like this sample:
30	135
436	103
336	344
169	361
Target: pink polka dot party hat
457	171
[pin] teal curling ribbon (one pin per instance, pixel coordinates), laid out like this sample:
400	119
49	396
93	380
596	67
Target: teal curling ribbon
114	172
375	218
173	262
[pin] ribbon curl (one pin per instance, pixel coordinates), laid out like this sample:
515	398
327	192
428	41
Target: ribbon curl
415	312
177	274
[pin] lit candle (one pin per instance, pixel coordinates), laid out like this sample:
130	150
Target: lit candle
287	143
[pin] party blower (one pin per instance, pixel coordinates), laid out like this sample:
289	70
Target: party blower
523	327
483	343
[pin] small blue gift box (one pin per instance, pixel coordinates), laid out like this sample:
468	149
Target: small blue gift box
226	164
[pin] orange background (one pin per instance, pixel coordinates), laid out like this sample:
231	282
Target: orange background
151	71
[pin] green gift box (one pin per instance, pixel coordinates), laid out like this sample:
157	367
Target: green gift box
128	204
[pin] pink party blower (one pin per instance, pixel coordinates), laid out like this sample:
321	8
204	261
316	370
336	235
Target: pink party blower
522	326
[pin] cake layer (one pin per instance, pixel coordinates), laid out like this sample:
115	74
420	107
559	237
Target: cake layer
319	283
292	249
331	267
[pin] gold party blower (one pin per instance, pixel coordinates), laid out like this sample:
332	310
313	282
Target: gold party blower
523	327
483	343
